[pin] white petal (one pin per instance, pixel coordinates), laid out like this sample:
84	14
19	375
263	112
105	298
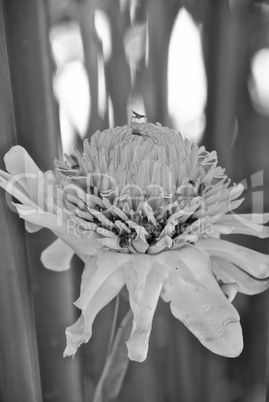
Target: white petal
204	309
255	218
243	224
102	280
106	263
140	244
226	272
8	183
31	227
24	170
230	290
17	158
162	244
110	243
74	337
81	331
57	256
37	216
253	262
70	230
144	281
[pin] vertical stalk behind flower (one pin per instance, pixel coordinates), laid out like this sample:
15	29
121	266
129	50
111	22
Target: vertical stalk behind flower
116	364
19	366
18	350
37	129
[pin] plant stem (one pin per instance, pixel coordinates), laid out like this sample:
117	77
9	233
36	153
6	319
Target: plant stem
116	364
113	328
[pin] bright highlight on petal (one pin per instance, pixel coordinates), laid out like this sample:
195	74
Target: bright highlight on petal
143	206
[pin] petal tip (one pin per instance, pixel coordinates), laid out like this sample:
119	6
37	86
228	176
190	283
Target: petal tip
230	342
137	348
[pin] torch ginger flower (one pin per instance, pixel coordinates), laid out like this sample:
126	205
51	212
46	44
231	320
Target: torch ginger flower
144	207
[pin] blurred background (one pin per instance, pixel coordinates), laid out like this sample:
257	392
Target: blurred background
75	66
129	57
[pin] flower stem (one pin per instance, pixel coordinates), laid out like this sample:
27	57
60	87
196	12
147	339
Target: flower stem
113	328
116	364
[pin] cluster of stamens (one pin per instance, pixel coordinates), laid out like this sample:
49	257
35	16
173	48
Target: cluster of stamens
136	195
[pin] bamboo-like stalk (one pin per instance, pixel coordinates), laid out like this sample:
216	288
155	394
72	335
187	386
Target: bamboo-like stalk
38	131
225	44
18	349
84	11
117	71
231	37
161	17
20	379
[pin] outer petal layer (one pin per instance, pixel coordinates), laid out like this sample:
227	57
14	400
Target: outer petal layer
69	229
243	224
102	280
57	256
145	279
226	272
144	282
9	184
204	309
253	262
24	170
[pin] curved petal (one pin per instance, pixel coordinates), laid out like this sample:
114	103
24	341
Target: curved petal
257	219
37	216
17	159
32	189
164	243
9	183
144	281
70	229
74	337
243	224
204	309
27	179
57	256
24	170
81	331
102	280
226	272
31	227
230	290
253	262
105	264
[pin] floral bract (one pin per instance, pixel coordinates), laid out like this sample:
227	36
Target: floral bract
144	207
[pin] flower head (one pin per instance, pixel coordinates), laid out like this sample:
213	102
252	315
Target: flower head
144	207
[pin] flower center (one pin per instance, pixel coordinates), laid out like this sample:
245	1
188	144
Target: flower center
140	191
